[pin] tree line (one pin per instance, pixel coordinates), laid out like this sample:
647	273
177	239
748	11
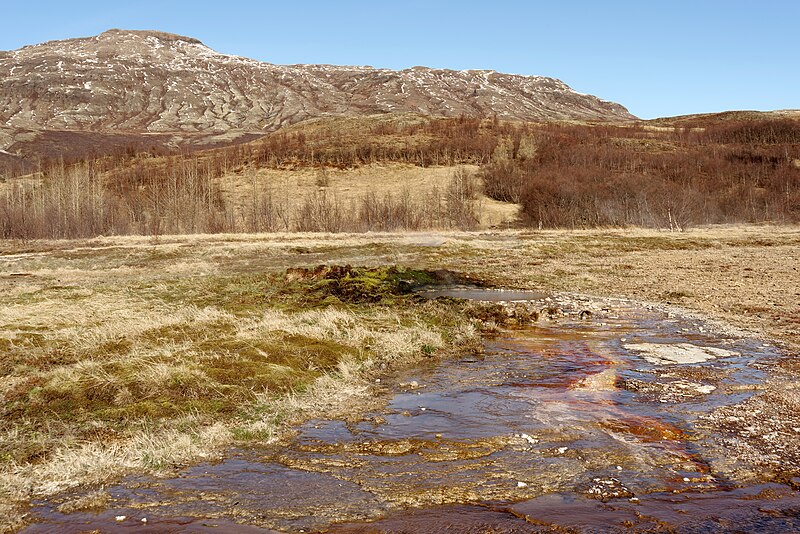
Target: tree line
562	175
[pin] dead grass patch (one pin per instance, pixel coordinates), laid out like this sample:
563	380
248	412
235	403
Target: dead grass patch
153	375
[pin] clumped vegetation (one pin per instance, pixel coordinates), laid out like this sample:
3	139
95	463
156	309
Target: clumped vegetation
563	175
588	176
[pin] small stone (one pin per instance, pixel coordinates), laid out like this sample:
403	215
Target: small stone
144	520
522	485
634	499
619	468
562	450
121	517
686	479
605	489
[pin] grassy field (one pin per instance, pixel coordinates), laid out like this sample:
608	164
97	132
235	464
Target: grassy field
136	354
349	187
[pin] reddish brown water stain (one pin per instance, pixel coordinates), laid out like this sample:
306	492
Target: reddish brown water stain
452	519
566	366
646	429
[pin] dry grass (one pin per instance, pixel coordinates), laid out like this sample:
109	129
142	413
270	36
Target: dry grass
149	369
290	188
96	462
390	341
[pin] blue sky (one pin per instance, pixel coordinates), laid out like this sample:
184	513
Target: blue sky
658	58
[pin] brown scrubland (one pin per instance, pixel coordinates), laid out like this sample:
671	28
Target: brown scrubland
661	175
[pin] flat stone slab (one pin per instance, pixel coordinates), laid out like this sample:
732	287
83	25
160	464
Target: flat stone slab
677	353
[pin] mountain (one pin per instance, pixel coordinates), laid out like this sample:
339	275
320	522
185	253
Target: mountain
145	87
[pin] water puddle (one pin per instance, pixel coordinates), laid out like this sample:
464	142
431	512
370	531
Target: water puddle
585	422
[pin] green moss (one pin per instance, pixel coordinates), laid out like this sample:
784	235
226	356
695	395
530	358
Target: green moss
297	288
189	332
248	434
358	285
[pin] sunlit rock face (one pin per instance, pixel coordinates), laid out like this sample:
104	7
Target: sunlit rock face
148	81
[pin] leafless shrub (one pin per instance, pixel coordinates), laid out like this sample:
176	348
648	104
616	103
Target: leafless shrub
392	212
461	201
321	211
561	175
584	176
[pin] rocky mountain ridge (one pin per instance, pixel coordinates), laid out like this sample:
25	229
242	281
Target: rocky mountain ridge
155	83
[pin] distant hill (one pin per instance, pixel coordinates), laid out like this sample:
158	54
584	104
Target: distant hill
700	120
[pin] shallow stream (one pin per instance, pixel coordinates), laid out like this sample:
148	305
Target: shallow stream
586	421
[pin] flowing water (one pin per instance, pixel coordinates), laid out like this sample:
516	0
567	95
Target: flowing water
584	421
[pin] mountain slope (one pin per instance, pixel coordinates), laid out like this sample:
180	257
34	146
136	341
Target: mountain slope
154	82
